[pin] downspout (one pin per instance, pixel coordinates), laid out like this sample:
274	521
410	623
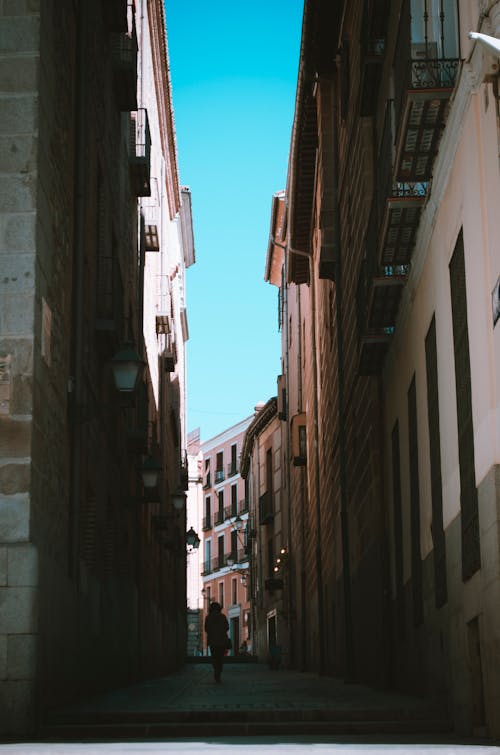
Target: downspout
75	384
346	570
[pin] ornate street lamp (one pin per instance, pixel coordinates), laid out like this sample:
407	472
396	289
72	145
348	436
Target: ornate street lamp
192	539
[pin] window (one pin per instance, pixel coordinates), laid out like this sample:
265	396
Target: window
208	512
220	545
471	558
416	557
220	513
398	529
221	594
208	556
437	530
234	500
234	591
219	467
234	544
234	460
269	470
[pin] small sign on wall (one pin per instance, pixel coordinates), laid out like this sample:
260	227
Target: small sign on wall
495	302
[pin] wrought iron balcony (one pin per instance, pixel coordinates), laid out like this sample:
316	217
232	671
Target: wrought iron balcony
230	511
207	523
373	349
219	517
218	562
115	15
424	79
219	475
243	506
124	62
232	468
140	153
207	567
404	203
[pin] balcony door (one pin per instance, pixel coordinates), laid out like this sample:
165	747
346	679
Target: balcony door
434	29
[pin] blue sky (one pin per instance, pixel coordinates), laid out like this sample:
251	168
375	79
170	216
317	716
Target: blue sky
234	71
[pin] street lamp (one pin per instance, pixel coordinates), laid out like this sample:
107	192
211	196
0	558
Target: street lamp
192	539
150	472
179	500
126	366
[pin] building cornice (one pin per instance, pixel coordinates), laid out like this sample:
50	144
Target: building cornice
263	418
161	70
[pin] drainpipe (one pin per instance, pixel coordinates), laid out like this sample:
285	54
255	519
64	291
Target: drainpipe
346	570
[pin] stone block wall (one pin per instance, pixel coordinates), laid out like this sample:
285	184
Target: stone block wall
19	69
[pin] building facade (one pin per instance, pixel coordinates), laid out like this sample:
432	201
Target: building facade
95	236
262	468
194	511
225	523
383	247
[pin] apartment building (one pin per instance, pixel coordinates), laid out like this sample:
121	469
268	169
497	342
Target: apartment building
388	272
225	527
95	237
262	467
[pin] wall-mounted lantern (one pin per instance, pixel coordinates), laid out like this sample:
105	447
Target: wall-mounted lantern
179	500
126	366
150	472
192	539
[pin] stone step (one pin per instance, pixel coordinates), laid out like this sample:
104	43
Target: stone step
208	728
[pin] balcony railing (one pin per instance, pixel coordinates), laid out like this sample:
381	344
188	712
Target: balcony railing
124	61
219	475
218	562
232	469
243	506
140	153
219	517
208	482
207	523
230	511
425	74
239	556
207	567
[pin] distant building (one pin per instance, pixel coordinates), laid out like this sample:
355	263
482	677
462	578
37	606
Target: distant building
262	467
225	526
194	517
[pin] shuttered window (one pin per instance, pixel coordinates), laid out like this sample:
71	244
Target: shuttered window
437	530
471	559
416	558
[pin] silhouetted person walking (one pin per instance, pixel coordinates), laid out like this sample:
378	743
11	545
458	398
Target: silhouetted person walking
216	626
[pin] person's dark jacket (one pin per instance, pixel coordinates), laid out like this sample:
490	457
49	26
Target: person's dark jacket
216	627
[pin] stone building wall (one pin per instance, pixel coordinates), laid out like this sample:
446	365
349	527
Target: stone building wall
19	302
